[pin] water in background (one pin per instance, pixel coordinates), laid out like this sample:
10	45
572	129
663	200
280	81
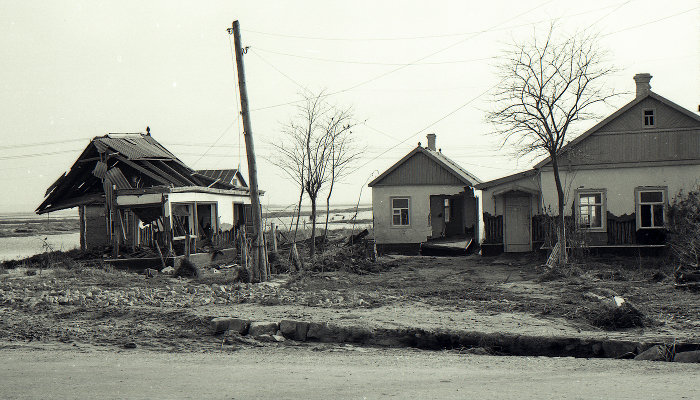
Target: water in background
21	247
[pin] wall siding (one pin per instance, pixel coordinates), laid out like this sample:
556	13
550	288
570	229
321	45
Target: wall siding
419	170
666	118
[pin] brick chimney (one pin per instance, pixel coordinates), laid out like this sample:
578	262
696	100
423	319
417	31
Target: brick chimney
431	141
643	86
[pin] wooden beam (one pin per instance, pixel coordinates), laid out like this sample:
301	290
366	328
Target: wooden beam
143	170
177	181
191	180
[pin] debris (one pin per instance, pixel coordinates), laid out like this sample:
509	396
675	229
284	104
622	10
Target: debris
654	353
688	357
357	237
167	271
150	272
187	269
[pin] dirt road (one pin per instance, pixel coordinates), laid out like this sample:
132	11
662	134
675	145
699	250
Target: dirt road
325	371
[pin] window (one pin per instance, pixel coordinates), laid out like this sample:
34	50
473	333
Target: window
447	210
591	209
649	119
182	220
399	211
650	207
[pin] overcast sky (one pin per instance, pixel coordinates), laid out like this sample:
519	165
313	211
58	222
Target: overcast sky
72	70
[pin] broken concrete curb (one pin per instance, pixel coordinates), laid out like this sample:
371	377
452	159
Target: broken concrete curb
263	328
493	343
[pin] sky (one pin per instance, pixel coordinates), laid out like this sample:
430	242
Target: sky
73	70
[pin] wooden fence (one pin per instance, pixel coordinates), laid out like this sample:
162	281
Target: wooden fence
493	229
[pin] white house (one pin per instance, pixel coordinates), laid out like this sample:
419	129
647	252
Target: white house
424	196
619	177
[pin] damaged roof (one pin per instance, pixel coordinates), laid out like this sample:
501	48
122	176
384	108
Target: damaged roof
125	161
230	176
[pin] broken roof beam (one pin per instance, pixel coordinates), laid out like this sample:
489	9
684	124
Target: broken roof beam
77	201
191	179
143	170
177	181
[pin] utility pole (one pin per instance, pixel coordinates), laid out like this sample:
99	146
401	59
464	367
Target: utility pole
259	267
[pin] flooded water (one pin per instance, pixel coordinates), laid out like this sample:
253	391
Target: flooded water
20	247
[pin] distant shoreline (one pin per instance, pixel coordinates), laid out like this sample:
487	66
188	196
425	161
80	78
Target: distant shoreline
27	225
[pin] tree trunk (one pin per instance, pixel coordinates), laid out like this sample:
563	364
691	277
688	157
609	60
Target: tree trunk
296	228
328	208
561	227
312	248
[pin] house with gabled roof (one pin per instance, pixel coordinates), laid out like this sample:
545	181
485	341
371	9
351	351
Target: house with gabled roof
132	192
423	197
619	176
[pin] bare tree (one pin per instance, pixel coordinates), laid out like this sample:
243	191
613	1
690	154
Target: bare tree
343	151
314	149
546	86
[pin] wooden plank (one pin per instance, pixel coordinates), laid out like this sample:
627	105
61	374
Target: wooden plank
143	170
172	179
192	180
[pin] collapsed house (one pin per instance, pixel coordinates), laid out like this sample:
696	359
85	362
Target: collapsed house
132	193
422	200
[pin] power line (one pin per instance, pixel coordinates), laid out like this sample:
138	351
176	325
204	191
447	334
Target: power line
411	63
371	62
18	146
651	22
432	123
435	36
50	153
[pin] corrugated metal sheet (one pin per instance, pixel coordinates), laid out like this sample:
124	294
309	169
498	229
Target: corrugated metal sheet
223	175
115	176
100	170
136	147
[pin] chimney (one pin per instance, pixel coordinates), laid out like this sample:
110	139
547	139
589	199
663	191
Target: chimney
431	141
643	86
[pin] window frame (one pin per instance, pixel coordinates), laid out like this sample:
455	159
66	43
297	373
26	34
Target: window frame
653	118
393	209
603	209
638	205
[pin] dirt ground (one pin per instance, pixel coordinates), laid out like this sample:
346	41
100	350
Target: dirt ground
96	305
330	371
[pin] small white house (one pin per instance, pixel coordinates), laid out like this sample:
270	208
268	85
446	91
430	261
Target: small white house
619	177
424	196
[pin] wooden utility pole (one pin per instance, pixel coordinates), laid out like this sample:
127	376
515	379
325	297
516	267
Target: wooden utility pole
259	267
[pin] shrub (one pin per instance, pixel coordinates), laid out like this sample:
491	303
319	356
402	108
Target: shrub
186	269
684	238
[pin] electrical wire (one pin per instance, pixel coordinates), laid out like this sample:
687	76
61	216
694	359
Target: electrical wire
50	153
370	62
411	63
436	36
651	22
19	146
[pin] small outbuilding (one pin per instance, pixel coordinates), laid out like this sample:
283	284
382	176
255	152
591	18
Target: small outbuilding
424	198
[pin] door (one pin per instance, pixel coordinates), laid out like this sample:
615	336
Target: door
437	216
517	223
